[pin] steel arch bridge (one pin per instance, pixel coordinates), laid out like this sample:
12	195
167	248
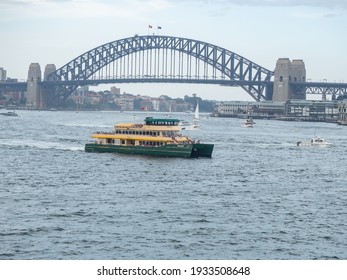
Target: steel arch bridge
159	59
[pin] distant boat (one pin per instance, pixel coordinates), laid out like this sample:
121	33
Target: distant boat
169	114
248	122
9	114
342	122
316	142
197	113
184	125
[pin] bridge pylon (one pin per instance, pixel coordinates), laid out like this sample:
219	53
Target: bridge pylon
287	71
34	92
48	92
37	95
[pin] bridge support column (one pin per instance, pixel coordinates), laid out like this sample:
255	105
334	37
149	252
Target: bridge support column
34	92
48	92
288	71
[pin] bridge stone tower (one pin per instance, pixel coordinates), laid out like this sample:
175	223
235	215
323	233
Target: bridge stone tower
48	91
288	71
34	93
50	68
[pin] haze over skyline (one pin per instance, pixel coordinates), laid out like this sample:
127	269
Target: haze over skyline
54	31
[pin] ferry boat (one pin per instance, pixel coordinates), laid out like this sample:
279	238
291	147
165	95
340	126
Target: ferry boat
156	137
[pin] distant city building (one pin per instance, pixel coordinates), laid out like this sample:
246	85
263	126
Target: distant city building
115	90
156	104
125	103
82	90
2	74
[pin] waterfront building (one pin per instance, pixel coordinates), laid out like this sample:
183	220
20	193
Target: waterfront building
342	108
303	110
241	109
310	110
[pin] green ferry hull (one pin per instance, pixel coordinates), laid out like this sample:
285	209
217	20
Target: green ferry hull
183	150
202	150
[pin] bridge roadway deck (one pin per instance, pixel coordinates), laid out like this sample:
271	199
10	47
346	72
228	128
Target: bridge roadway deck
307	87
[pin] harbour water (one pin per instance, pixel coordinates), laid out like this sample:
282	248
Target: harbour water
259	196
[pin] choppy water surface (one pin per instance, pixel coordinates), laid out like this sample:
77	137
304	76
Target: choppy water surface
259	197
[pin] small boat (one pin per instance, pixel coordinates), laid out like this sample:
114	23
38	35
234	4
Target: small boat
248	122
156	137
9	114
196	112
316	142
184	125
342	122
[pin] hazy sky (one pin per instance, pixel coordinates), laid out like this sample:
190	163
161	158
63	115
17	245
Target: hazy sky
57	31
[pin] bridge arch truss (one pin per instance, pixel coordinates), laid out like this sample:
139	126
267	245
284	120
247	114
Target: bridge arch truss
159	59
